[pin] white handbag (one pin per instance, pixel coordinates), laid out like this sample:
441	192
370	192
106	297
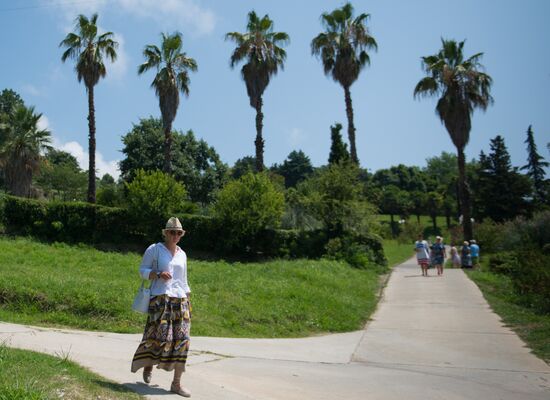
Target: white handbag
143	295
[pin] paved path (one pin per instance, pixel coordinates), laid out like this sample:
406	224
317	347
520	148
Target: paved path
431	338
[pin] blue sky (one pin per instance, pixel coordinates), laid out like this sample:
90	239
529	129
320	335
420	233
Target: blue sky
300	103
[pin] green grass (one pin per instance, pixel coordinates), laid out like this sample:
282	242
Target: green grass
26	375
533	328
80	287
397	252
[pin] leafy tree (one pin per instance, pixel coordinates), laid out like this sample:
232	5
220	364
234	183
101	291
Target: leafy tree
110	193
247	206
462	87
334	195
152	197
88	49
442	173
9	101
395	201
21	146
409	179
296	168
501	192
434	204
243	166
535	168
172	66
260	47
343	51
418	203
194	163
61	178
338	149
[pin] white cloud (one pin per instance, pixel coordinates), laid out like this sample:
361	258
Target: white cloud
296	137
171	14
31	89
168	14
102	166
43	123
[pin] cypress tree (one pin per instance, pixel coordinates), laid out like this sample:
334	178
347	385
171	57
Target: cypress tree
535	167
338	149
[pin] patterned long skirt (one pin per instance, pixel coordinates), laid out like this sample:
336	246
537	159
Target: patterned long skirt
165	341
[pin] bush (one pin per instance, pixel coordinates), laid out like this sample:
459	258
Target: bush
532	280
505	262
246	207
409	232
152	198
359	251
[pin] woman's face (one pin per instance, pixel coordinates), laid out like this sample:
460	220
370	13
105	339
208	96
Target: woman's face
173	236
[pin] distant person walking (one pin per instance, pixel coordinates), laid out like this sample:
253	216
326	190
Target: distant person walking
422	254
455	258
439	254
466	256
474	251
165	341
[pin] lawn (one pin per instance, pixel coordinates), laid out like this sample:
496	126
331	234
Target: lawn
26	375
80	287
533	328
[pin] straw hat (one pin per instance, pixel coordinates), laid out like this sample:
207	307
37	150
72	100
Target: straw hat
466	243
173	224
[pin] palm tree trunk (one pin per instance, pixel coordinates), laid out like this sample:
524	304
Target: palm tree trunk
464	196
167	168
259	142
351	126
91	145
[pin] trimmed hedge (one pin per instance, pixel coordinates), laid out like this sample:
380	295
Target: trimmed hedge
68	222
74	222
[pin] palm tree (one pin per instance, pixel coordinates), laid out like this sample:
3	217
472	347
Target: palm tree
88	49
343	52
259	46
461	87
172	76
22	144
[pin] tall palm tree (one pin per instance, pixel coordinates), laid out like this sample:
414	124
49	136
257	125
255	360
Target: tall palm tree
461	87
172	66
22	144
343	51
88	49
259	46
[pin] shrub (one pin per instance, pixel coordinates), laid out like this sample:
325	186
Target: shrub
532	280
409	232
152	198
244	208
359	251
505	262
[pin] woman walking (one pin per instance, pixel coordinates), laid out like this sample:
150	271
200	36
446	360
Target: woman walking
466	256
422	254
165	341
439	254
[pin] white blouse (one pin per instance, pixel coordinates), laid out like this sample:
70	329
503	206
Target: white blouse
176	265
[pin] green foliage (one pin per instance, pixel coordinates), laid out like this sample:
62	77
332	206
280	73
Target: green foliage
535	170
193	162
243	166
338	149
83	288
335	196
359	251
71	222
60	177
152	198
500	190
246	207
296	168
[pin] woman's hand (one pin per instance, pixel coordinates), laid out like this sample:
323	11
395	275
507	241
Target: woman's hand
165	275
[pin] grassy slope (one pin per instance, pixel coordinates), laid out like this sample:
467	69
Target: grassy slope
26	375
533	328
79	287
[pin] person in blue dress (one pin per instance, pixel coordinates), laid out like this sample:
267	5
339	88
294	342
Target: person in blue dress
466	255
438	254
474	252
